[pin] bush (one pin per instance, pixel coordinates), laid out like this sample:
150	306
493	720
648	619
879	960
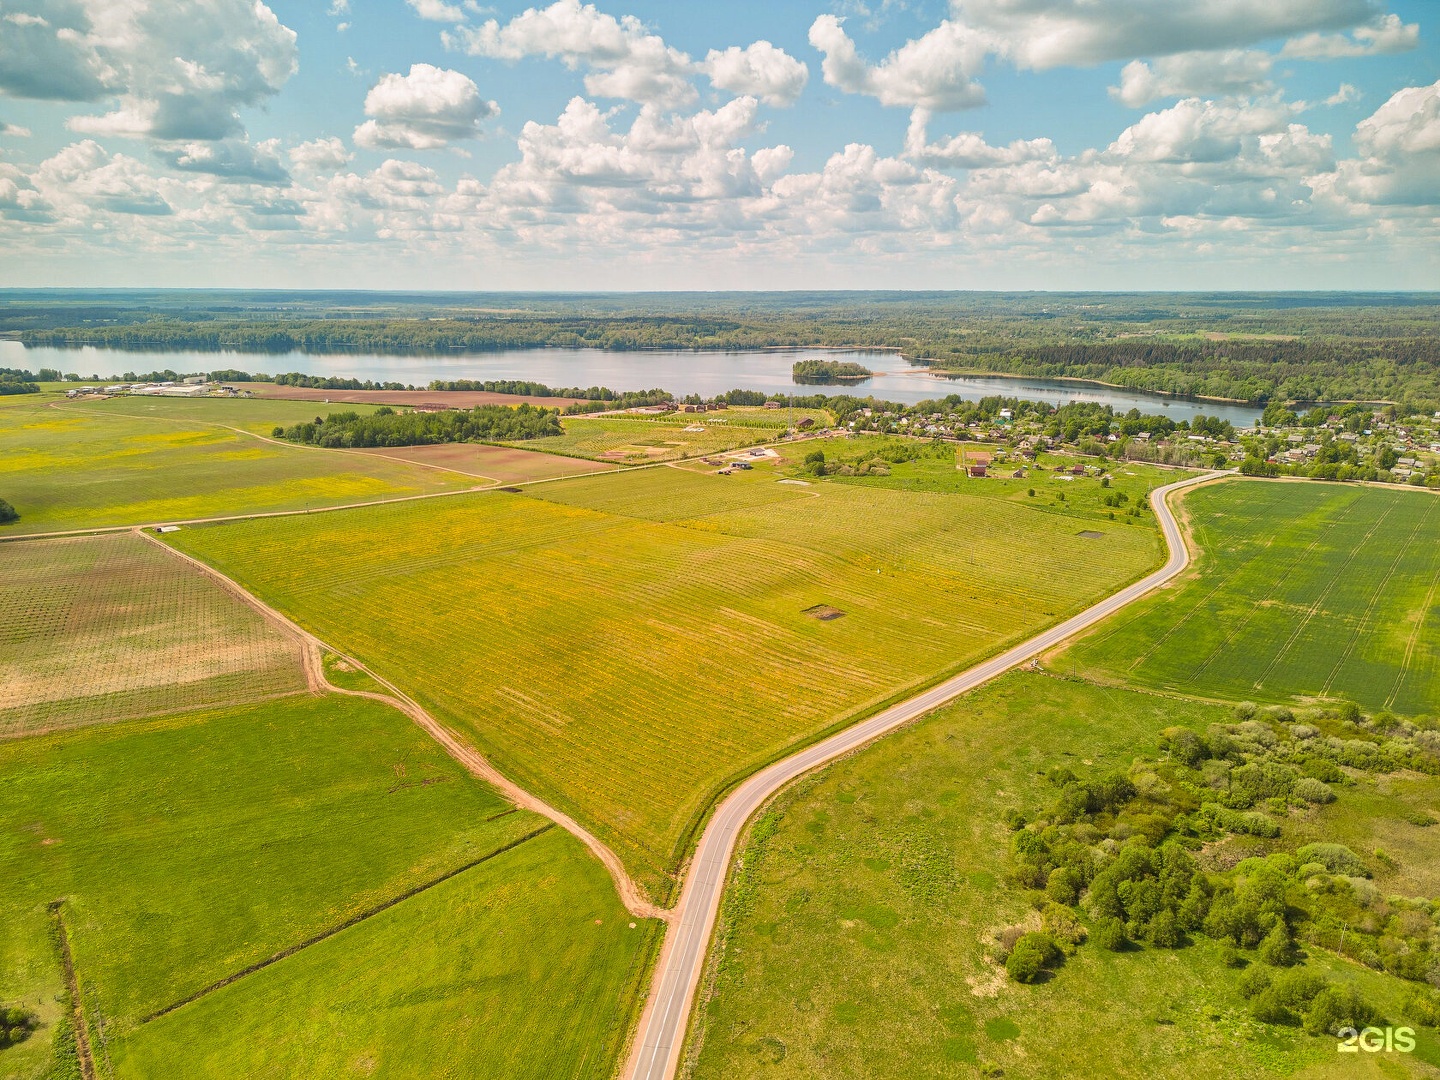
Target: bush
277	432
1064	885
16	1025
1062	927
1267	1007
1422	1007
1032	954
1165	932
1110	934
8	513
1338	859
1337	1007
1255	980
1313	791
1278	949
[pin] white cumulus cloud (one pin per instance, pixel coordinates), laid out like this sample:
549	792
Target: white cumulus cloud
181	70
1043	34
761	70
427	109
1233	72
621	57
437	10
936	71
1385	35
320	155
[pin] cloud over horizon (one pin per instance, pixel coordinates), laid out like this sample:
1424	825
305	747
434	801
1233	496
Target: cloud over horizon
601	142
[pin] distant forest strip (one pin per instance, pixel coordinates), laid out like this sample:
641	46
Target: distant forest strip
386	427
17	382
1311	354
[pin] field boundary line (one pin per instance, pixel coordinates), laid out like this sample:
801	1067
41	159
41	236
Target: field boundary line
354	920
1370	607
72	986
1200	605
1414	640
1239	629
1320	600
631	895
660	1040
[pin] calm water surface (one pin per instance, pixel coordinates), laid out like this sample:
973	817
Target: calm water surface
680	372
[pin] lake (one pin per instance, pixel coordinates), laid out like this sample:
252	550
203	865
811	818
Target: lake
678	371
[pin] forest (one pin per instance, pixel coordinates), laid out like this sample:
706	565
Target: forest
1256	348
386	427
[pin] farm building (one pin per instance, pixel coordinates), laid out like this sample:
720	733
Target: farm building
979	470
773	405
805	424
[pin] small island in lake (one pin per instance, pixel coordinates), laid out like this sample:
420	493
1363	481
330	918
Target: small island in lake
828	371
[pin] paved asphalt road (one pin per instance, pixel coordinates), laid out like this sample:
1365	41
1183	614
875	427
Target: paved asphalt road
662	1026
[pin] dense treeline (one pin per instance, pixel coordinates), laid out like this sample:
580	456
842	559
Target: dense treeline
386	427
1257	349
17	381
324	382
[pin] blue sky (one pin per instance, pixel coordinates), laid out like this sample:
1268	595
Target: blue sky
853	144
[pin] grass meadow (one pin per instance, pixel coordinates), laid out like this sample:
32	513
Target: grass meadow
637	440
626	644
104	628
187	848
525	966
91	466
852	941
1055	489
1301	590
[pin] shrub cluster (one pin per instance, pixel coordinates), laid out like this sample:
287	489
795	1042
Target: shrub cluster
16	1026
1120	847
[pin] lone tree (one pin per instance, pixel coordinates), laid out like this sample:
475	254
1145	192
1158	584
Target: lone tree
8	513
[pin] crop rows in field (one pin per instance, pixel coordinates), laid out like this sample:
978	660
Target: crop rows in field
621	644
78	467
109	627
1303	590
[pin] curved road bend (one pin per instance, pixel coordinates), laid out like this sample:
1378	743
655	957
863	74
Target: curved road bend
657	1048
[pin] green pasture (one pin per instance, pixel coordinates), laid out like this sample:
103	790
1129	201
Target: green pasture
187	848
853	938
636	440
1048	483
1302	590
627	644
124	462
525	966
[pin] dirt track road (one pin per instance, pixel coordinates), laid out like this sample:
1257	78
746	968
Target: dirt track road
655	1054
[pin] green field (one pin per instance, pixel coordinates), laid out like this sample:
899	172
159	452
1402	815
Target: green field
1302	590
624	644
1048	483
526	966
104	628
80	466
188	848
664	438
854	935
